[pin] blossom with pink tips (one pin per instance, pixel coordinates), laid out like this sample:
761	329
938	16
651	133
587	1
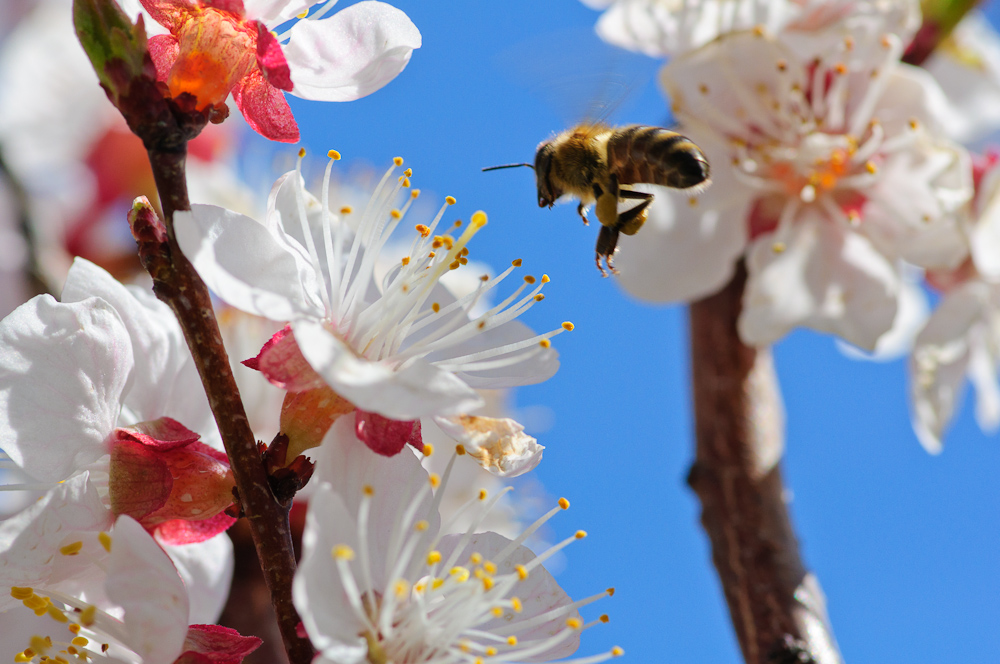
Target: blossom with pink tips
216	47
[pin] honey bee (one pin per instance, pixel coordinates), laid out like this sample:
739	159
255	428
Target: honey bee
597	163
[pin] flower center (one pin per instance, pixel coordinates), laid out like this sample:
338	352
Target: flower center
215	51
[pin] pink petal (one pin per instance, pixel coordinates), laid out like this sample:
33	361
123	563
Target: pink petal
281	362
215	644
179	531
140	480
265	108
162	434
271	59
163	49
384	436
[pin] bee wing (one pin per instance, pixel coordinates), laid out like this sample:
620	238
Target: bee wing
581	78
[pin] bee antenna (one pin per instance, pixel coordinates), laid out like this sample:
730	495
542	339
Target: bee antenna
493	168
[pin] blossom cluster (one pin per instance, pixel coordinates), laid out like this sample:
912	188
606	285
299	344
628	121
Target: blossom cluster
358	358
839	174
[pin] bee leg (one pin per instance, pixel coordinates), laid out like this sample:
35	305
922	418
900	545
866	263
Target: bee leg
631	220
581	210
607	241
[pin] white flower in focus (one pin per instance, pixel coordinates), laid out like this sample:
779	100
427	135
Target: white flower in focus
829	168
75	376
108	597
668	28
378	581
401	347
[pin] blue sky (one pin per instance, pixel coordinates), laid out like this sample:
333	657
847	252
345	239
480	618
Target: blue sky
904	543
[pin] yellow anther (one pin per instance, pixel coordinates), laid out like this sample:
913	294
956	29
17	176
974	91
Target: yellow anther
450	200
57	614
478	219
438	241
421	526
574	623
782	65
491	651
423	230
71	650
435	480
610	591
437	583
405	182
568	326
497	611
482	494
39	644
545	279
368	490
105	540
464	252
759	30
304	13
342	552
22	658
398	161
80	641
617	652
515	603
516	262
460	450
840	68
419	587
778	247
528	279
870	167
302	152
428	449
405	261
431	255
460	574
433	558
18	592
482	325
464	646
487	582
580	534
396	214
693	202
522	572
478	660
885	41
401	588
490	567
408	172
436	307
545	343
71	549
484	277
604	618
73	627
539	297
333	154
86	617
476	558
512	640
914	124
463	260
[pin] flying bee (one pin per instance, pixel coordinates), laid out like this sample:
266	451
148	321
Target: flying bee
597	164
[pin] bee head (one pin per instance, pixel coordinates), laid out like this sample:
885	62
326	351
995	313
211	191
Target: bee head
547	192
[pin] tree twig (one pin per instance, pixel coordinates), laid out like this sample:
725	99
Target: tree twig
776	606
176	282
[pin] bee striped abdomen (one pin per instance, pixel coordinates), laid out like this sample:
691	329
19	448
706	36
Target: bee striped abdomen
655	155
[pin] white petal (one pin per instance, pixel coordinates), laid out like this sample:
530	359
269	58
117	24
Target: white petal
145	584
684	252
245	265
165	381
941	358
983	375
275	12
967	66
539	593
351	54
63	370
985	235
825	279
30	540
207	571
418	390
910	318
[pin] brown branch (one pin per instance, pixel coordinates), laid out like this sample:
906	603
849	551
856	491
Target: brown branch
776	606
176	282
